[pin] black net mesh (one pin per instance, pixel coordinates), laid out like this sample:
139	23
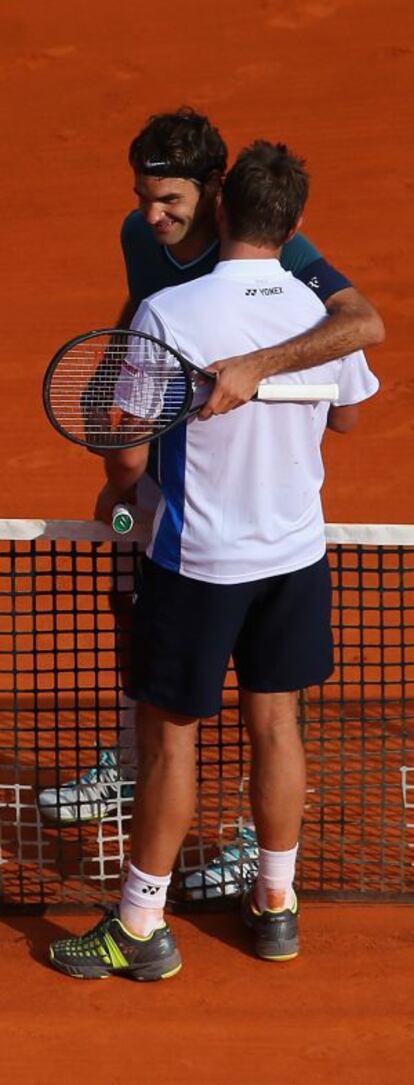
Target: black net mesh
67	756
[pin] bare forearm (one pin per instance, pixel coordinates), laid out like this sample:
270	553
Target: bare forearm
123	469
122	481
303	351
341	332
322	344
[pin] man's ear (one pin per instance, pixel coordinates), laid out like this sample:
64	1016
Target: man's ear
294	230
220	213
213	184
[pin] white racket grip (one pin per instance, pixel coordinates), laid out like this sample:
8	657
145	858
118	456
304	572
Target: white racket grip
296	393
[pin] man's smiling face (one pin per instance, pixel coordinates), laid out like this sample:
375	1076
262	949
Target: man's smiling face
174	207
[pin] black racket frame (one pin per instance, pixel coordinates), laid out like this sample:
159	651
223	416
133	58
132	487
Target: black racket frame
188	369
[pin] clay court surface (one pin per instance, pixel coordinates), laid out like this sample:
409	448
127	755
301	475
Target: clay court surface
333	79
342	1013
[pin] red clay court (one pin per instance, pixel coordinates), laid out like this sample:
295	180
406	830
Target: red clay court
334	80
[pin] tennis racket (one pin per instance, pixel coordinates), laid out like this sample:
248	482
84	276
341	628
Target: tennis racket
113	388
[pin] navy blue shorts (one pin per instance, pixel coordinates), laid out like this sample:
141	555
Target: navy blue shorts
277	630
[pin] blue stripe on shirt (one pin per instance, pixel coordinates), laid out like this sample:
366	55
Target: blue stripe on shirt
166	548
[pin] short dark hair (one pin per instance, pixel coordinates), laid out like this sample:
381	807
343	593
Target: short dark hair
180	144
264	193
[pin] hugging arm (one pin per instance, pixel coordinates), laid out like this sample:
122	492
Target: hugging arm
351	324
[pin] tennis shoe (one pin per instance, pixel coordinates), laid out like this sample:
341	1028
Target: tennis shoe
229	872
275	933
90	798
110	950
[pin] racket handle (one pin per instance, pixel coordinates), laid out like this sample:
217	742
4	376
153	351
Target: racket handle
122	519
296	393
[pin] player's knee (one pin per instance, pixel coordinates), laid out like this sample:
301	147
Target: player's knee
162	736
267	714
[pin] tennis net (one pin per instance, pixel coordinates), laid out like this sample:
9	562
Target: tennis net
67	757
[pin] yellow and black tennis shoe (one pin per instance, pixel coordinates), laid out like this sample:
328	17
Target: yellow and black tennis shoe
110	950
275	933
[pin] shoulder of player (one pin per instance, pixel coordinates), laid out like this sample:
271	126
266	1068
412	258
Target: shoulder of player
298	291
210	289
298	253
173	297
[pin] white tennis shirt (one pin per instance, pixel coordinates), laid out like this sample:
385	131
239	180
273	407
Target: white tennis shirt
241	492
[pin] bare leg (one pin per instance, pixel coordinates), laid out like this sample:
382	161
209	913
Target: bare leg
278	780
163	808
277	790
165	795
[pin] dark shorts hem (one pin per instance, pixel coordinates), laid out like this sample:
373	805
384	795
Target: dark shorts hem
157	702
307	683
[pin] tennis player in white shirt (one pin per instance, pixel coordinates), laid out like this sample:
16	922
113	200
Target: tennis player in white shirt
236	566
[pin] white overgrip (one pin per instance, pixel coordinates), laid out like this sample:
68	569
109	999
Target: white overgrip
296	393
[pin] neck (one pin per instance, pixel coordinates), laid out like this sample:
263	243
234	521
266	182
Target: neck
193	246
246	250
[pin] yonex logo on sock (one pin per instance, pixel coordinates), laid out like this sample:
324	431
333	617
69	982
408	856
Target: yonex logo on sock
151	889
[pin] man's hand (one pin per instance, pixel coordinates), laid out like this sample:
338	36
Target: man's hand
236	384
107	498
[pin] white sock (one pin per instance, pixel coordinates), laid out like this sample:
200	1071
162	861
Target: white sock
143	901
274	887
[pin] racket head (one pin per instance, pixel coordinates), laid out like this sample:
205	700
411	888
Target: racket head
91	375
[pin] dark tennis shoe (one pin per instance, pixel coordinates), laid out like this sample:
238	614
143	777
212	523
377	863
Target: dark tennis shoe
275	934
109	950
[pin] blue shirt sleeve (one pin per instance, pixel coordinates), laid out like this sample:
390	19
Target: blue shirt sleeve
323	279
304	260
298	253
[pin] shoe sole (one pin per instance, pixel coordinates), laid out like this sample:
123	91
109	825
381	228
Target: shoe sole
60	821
278	957
63	823
142	974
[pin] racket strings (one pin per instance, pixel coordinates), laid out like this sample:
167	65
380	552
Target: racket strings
112	394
